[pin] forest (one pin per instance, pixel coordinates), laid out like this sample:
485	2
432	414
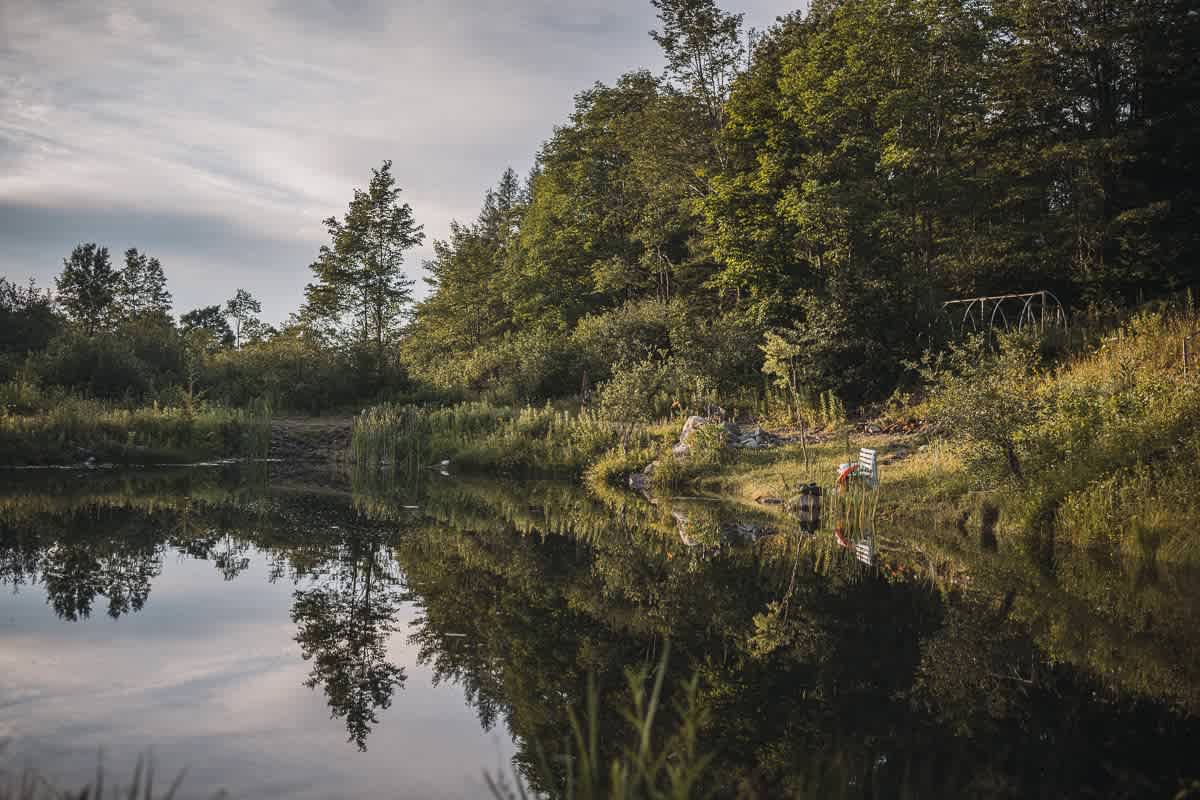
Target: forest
770	227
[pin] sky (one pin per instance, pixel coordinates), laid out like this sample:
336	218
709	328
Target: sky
217	135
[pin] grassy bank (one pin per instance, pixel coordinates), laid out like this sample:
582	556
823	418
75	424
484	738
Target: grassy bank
482	437
73	430
1099	445
1100	448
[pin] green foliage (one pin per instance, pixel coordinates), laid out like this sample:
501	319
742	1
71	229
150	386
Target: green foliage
143	286
71	429
88	287
104	366
986	400
27	324
361	288
482	436
207	328
241	308
636	392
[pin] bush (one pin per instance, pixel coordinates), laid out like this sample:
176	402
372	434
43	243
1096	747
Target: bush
639	329
985	400
103	366
636	392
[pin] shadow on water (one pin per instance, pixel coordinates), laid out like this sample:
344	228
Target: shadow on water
834	660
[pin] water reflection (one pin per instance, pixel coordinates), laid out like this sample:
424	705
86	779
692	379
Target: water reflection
343	626
834	661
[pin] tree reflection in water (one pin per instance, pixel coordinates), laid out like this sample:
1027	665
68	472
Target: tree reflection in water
343	628
953	665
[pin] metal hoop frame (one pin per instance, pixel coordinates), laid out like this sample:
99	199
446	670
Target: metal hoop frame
1031	310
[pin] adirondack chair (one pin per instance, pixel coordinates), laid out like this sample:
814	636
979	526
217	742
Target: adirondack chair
868	467
866	470
864	551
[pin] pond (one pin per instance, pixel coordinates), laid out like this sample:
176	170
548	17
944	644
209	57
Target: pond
283	634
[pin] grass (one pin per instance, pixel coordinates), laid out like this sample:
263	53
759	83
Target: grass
73	430
479	436
651	764
29	785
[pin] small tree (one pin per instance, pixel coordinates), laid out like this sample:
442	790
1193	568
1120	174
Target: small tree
985	399
242	309
781	356
88	287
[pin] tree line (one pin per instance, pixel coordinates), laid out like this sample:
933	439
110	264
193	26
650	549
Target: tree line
802	200
827	188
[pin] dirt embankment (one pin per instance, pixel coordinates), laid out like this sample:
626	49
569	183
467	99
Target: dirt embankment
325	439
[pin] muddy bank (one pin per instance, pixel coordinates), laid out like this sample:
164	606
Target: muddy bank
311	439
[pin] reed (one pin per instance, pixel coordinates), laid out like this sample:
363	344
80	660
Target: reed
31	785
653	762
75	429
480	436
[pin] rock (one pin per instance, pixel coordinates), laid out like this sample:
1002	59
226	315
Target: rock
681	450
873	428
690	425
640	481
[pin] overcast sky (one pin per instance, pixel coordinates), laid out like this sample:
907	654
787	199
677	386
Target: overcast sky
216	135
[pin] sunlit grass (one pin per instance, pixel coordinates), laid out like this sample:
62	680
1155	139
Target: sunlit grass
73	430
483	437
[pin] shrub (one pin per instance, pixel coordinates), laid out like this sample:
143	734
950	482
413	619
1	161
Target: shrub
985	400
103	366
636	392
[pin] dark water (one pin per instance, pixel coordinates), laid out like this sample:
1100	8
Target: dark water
311	635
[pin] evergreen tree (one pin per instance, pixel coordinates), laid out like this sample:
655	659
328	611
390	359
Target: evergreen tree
360	283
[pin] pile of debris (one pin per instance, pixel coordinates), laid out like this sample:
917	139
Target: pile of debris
895	428
753	439
757	439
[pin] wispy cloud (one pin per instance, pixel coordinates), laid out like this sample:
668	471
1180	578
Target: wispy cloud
219	134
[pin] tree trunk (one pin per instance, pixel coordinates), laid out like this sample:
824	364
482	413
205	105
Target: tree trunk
1014	464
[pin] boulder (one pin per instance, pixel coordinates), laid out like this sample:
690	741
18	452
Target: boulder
690	424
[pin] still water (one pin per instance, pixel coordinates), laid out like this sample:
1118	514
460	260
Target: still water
314	635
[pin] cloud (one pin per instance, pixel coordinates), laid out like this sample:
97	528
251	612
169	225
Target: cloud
217	135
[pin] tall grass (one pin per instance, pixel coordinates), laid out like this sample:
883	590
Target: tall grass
1101	449
1116	445
482	436
30	785
73	429
650	764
